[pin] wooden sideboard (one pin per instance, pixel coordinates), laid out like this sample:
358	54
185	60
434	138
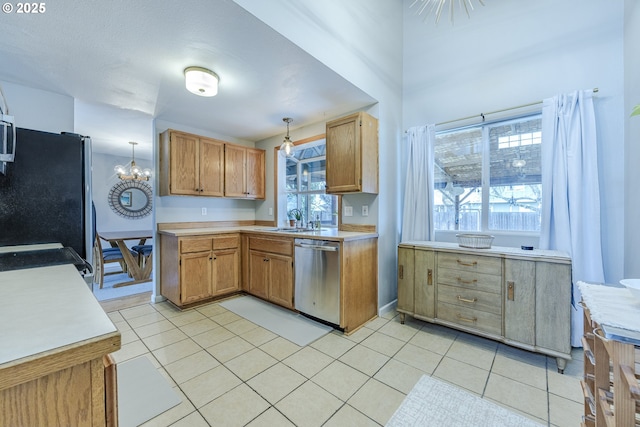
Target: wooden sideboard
521	298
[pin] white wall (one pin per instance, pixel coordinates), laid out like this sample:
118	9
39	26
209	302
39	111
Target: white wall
38	109
362	41
512	53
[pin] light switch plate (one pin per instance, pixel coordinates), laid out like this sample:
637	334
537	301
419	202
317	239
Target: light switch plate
204	211
365	210
348	211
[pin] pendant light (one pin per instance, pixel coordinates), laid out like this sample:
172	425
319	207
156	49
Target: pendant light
287	148
132	172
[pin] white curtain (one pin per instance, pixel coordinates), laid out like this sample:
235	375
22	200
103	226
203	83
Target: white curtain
571	196
417	215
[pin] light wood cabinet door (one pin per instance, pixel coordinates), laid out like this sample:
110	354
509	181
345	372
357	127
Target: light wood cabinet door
553	296
519	300
195	276
258	274
425	294
255	174
234	171
226	274
211	167
406	279
352	154
184	164
281	280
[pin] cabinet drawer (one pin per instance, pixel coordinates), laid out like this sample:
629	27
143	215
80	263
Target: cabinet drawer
226	241
471	280
470	318
199	244
274	246
470	298
471	263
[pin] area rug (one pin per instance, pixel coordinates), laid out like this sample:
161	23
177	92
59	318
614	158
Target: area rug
109	292
143	393
289	325
432	402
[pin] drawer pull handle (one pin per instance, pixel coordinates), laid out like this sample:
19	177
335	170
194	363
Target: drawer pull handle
467	264
510	290
401	272
471	301
467	319
467	282
429	277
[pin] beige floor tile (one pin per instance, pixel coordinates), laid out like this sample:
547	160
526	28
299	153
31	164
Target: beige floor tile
191	366
511	365
128	336
271	418
163	339
165	374
333	345
174	414
399	375
137	311
173	352
213	309
340	380
399	331
348	416
145	319
514	394
472	354
565	386
360	334
419	358
199	326
276	382
309	405
210	385
213	337
225	318
383	343
433	340
115	316
167	309
308	361
229	349
280	348
250	364
258	336
130	351
364	359
122	326
240	326
187	317
194	419
389	314
564	412
235	408
462	374
376	400
154	328
376	323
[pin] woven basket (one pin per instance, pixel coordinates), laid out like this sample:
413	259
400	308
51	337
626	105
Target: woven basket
475	241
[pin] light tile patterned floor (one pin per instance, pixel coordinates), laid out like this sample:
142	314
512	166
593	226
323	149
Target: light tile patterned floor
231	372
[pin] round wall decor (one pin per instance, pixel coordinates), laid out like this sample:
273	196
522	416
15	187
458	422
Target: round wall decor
131	199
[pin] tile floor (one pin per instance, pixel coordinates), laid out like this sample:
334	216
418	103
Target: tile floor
231	372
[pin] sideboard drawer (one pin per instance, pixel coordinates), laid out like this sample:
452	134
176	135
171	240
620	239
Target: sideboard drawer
470	263
471	280
469	298
470	318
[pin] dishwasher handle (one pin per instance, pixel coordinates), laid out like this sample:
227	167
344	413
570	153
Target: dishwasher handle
318	247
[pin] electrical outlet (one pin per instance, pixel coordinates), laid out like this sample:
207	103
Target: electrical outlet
270	211
204	211
348	211
365	210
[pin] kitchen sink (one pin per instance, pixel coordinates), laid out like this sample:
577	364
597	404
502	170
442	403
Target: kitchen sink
295	230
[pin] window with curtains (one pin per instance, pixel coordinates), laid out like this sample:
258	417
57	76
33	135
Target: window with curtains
487	177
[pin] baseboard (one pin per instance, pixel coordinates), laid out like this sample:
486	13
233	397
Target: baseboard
156	298
391	307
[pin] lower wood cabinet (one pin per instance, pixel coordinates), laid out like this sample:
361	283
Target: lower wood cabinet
197	268
522	298
271	269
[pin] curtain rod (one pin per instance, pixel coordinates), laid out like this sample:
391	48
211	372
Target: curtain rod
495	112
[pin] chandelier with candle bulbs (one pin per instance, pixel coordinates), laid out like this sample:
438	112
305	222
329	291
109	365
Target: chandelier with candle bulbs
132	172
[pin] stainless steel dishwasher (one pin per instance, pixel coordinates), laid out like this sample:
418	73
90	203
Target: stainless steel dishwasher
317	279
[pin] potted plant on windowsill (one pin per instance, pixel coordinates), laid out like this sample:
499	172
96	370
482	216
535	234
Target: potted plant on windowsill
295	217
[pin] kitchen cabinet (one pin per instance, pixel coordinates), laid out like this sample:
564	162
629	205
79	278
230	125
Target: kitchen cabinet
191	165
197	268
352	154
244	172
271	269
521	298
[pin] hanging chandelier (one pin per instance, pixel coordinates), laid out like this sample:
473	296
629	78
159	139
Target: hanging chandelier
287	148
132	172
437	6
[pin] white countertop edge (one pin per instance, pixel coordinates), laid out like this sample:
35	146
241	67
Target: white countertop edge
551	255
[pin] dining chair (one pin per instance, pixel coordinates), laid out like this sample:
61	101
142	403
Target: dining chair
144	253
102	256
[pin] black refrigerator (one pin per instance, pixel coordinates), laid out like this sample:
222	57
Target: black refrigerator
45	194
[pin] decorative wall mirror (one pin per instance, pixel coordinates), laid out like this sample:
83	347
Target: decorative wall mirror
131	199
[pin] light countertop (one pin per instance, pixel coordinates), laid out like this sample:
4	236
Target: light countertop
322	234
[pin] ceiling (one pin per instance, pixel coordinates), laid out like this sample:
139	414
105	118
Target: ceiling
123	62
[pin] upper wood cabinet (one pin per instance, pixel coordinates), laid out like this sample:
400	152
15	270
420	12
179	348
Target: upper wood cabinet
352	154
191	165
244	172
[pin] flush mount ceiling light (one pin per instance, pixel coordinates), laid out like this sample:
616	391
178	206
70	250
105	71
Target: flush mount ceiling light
132	172
437	6
287	148
201	81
